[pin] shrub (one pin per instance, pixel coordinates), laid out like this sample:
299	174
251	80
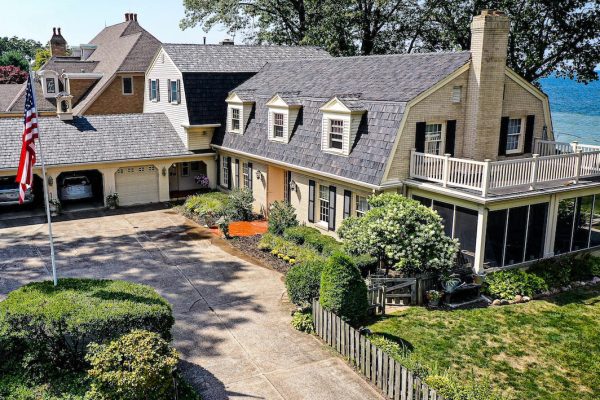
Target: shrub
239	206
298	234
455	389
281	216
55	324
556	272
324	244
138	365
303	321
303	282
585	267
343	291
365	263
207	206
508	284
279	246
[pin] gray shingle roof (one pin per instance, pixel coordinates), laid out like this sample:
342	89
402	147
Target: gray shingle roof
8	93
42	103
95	138
381	85
69	64
236	58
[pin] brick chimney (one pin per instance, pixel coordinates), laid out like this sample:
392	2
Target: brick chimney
58	44
485	92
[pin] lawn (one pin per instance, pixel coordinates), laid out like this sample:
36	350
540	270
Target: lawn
544	349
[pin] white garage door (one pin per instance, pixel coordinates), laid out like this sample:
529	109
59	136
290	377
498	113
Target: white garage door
137	185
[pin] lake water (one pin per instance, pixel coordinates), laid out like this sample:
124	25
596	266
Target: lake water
575	109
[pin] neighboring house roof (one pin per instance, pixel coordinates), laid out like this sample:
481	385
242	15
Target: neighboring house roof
95	138
235	58
69	64
8	92
380	85
17	102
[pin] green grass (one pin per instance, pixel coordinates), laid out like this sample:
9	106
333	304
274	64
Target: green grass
544	349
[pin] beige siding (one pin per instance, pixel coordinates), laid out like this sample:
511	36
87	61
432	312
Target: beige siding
437	107
199	139
177	113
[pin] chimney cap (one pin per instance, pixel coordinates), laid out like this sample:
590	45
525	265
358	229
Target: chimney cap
134	17
126	17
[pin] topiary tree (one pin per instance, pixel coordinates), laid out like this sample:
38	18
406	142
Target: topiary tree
139	365
281	216
303	282
343	291
402	233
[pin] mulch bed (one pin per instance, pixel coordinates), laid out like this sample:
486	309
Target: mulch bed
248	244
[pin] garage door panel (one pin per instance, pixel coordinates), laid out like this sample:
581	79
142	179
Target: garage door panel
137	185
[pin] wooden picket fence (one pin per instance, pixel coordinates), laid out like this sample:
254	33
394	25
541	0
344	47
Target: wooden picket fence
395	381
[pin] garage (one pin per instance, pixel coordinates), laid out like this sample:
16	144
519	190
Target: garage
80	189
137	185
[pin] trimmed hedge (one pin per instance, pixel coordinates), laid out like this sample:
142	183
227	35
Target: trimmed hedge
343	290
53	325
304	235
298	234
303	282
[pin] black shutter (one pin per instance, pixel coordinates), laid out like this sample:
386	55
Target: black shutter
503	136
331	208
250	175
169	95
530	124
229	175
157	90
347	203
420	137
311	201
288	189
178	91
219	170
450	136
237	173
149	89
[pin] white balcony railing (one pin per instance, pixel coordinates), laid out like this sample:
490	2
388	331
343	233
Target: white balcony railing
558	163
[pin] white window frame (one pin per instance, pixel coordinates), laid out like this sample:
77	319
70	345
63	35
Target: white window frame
358	210
330	133
185	169
441	141
123	86
174	94
277	125
324	216
153	90
239	119
54	82
246	178
225	171
456	94
519	136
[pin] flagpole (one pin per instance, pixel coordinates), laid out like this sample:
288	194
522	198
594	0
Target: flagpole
46	197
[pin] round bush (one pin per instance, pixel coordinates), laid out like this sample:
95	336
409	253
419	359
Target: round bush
55	324
138	365
298	234
343	291
303	282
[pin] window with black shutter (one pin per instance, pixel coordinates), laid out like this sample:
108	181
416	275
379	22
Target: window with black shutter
420	137
332	208
347	203
229	174
311	200
250	172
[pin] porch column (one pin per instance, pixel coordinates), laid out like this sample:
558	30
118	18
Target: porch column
551	227
163	181
108	180
211	171
482	215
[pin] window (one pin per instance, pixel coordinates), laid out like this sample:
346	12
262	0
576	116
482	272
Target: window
174	92
154	90
336	134
246	175
127	85
225	162
235	119
50	85
362	206
514	134
433	138
456	94
277	125
185	169
324	204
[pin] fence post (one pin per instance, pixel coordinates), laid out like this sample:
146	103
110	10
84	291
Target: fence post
485	181
383	299
534	171
578	164
446	169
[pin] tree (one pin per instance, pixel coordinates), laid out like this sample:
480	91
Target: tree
14	58
12	74
546	37
401	233
26	47
41	56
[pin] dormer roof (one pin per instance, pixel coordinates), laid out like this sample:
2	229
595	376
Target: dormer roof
344	104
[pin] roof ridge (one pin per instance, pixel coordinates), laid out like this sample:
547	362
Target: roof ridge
372	56
241	45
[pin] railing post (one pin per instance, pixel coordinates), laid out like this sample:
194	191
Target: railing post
574	146
485	181
446	169
578	165
412	161
534	171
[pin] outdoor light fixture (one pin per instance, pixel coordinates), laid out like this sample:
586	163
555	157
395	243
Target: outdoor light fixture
164	171
50	181
258	174
293	185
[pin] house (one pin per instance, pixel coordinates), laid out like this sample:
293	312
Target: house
460	132
189	84
105	76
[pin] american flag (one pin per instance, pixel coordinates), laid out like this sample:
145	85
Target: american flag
30	133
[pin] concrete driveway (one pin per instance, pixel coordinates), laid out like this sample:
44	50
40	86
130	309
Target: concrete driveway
232	328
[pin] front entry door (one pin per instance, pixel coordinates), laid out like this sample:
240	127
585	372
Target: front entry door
275	185
173	178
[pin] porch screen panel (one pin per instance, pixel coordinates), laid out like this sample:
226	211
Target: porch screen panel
465	229
595	233
423	200
494	238
583	214
515	235
564	226
536	232
446	211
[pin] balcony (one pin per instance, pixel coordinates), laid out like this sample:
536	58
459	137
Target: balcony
554	164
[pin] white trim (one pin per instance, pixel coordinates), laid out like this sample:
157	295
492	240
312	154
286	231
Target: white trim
82	75
187	126
123	77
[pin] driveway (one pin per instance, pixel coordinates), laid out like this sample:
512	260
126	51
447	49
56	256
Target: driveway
232	327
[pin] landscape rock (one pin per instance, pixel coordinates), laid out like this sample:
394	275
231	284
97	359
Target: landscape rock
496	302
596	280
526	299
518	298
504	302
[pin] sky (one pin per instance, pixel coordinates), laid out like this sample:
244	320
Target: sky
81	20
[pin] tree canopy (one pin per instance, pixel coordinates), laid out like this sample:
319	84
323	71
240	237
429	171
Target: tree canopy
17	52
11	74
546	36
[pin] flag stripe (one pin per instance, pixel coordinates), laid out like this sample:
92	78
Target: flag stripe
30	133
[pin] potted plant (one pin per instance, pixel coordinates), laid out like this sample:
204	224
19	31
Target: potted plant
55	207
434	297
112	201
202	181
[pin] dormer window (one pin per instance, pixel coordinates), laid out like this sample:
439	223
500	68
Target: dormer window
336	134
278	125
239	109
235	120
283	112
50	85
341	119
